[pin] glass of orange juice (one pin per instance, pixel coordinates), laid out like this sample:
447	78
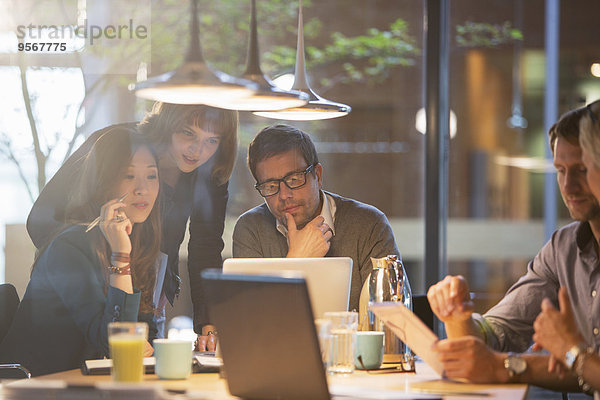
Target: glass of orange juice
126	342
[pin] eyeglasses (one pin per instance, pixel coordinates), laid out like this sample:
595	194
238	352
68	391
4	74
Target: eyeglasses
293	180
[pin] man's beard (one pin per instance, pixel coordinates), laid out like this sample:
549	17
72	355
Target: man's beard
299	224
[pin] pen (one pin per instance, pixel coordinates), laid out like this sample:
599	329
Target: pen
98	219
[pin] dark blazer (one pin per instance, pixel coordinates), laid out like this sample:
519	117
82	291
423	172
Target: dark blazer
195	197
63	317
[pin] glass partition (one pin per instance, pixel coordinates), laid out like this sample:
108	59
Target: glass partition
497	165
368	54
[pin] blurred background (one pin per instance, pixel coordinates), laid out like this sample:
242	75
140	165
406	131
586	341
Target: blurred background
368	54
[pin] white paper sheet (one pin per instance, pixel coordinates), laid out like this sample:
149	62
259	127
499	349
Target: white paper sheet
107	363
208	361
410	329
370	393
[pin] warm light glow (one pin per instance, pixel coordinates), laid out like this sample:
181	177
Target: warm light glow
192	94
317	108
305	113
268	97
534	164
595	69
259	102
285	81
421	122
194	82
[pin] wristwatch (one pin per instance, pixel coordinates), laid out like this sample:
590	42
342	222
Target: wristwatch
515	364
572	354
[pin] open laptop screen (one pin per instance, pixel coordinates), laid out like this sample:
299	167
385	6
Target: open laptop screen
328	278
267	336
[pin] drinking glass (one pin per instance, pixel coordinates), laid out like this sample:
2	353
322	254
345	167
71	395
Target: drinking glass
126	342
323	327
344	325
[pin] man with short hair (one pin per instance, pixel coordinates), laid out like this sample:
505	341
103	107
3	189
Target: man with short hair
298	218
569	259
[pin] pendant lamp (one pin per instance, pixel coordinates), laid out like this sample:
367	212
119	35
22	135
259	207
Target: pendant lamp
317	107
268	97
194	82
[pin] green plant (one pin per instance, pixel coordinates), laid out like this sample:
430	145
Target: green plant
483	34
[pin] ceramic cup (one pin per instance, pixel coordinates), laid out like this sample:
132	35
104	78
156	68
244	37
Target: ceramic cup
369	346
173	358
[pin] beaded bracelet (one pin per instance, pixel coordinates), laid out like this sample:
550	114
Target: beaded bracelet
125	270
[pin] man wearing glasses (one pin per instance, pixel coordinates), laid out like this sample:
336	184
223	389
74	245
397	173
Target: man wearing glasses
298	218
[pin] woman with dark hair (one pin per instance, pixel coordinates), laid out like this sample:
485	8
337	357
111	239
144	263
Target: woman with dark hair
83	280
197	147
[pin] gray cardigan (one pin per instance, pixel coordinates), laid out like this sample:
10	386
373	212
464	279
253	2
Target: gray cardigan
361	232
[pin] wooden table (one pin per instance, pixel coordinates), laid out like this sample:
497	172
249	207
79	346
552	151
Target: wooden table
210	386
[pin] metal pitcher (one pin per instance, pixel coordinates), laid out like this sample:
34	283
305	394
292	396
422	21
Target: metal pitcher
386	282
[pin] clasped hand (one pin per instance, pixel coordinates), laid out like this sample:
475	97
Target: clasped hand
311	241
115	226
206	342
450	299
469	358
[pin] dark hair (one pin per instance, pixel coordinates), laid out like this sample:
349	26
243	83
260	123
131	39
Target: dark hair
106	162
567	127
165	119
278	139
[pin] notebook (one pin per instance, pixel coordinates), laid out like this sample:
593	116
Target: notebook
328	278
202	361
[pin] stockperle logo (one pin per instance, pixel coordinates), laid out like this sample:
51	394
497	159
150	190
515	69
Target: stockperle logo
109	36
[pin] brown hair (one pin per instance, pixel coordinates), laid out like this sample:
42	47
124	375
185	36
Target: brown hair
165	119
590	131
278	139
109	158
567	127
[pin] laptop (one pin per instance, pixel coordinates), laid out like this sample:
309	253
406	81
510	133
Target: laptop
267	336
328	278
